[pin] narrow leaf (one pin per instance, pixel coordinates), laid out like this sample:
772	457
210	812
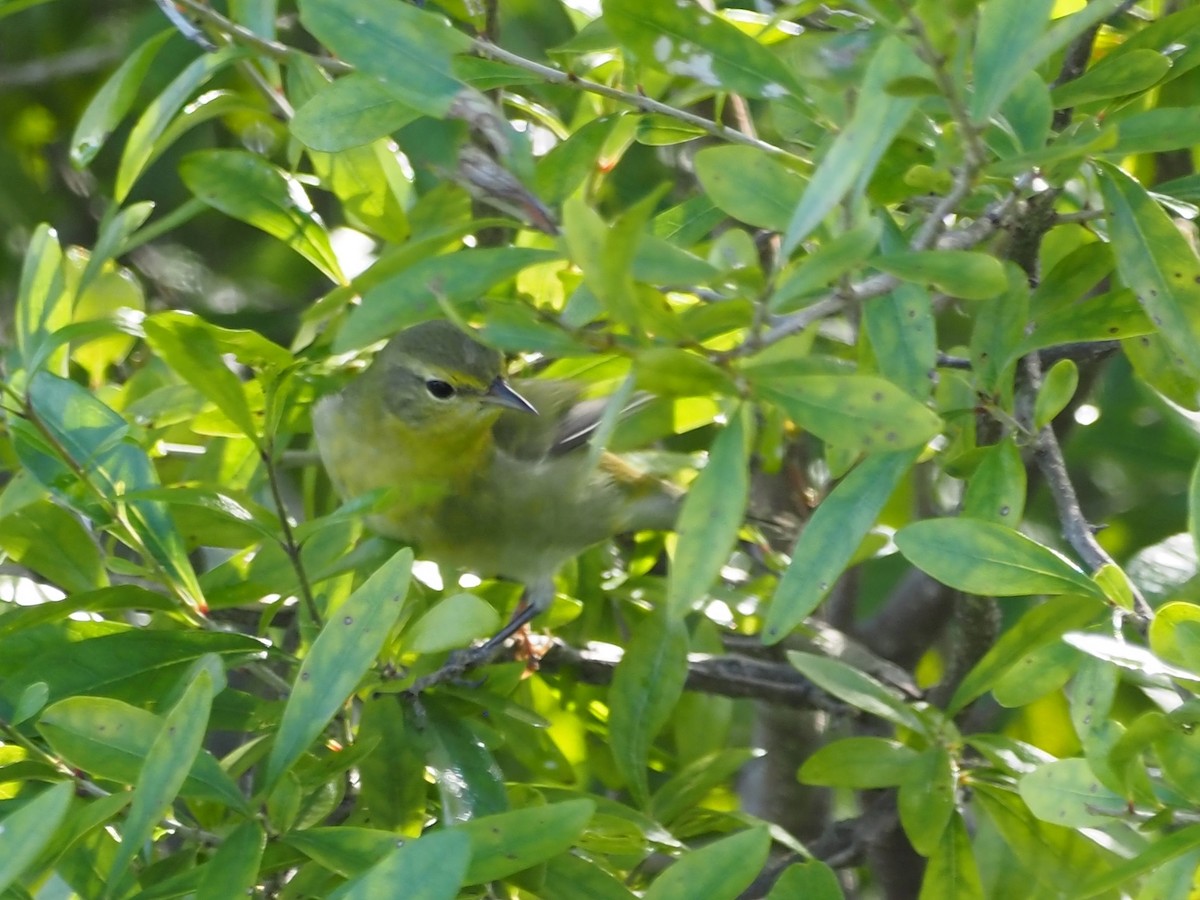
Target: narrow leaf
711	517
509	842
162	110
724	868
247	187
989	559
340	656
1154	259
863	413
432	867
26	832
830	539
645	688
853	155
411	49
168	762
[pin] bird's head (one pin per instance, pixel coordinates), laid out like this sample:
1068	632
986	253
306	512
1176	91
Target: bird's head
434	376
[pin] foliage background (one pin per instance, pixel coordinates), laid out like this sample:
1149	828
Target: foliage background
914	283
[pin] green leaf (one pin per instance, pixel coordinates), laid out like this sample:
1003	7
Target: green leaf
688	41
392	777
111	739
233	869
830	538
350	112
571	877
92	435
927	799
1113	76
989	559
248	188
1056	392
430	868
1039	672
132	663
749	185
1029	114
35	536
26	832
43	306
1052	854
1041	626
143	141
671	372
1012	39
1158	852
509	842
1066	792
1155	259
645	688
412	295
1156	131
852	157
825	265
573	160
951	870
718	871
711	516
346	849
863	413
697	779
168	761
996	489
812	880
409	48
340	656
451	623
857	689
186	343
960	273
1073	276
463	768
1127	656
113	101
860	762
1110	316
666	131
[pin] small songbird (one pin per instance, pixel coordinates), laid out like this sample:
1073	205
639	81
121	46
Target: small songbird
479	476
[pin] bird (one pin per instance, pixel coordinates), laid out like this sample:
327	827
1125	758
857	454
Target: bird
477	475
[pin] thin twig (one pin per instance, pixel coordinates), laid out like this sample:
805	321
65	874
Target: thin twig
183	26
288	541
1076	529
551	75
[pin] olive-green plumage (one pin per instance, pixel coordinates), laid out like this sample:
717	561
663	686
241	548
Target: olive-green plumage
476	479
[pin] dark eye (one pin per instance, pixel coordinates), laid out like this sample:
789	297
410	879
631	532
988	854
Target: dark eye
439	389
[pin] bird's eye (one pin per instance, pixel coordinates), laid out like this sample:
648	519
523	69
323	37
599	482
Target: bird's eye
439	389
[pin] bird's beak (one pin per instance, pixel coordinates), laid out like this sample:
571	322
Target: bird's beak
500	394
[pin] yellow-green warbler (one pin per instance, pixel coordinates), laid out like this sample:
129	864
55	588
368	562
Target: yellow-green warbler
478	476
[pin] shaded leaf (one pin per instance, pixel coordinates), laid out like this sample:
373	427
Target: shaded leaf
645	688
